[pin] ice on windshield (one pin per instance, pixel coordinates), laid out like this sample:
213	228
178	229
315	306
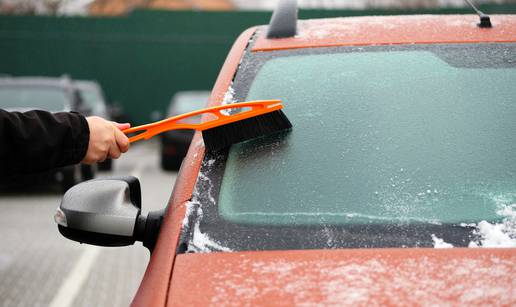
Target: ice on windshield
200	241
229	98
378	137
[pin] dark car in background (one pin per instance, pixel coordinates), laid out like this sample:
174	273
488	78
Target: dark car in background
93	97
175	143
50	94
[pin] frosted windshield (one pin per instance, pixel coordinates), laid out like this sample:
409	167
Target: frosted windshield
378	137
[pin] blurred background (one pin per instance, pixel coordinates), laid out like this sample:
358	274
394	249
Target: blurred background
127	60
142	52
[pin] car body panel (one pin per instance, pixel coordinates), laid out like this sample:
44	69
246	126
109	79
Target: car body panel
154	288
346	277
250	278
389	30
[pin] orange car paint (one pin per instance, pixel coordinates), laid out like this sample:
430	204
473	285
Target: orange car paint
392	30
236	278
363	277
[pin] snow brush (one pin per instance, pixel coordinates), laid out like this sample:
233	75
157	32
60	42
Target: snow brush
222	129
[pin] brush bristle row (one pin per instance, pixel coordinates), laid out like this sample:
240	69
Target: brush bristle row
224	136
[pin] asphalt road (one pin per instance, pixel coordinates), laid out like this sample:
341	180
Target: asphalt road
39	267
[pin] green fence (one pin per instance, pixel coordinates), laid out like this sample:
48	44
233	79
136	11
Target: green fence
142	59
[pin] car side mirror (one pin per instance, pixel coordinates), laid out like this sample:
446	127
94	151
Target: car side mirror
107	212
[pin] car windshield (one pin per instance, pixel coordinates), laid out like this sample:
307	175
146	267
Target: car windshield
32	97
383	139
185	102
91	97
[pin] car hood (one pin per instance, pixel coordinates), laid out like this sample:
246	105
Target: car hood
346	277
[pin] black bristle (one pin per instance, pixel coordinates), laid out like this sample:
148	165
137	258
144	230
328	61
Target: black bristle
224	136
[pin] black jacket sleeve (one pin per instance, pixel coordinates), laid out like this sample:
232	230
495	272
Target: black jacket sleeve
36	141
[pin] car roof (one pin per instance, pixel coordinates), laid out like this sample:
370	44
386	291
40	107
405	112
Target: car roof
36	81
86	84
390	30
187	96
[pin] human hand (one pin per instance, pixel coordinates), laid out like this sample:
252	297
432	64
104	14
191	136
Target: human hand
106	140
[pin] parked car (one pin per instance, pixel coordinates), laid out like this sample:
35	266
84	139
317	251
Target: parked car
403	142
92	95
49	94
175	143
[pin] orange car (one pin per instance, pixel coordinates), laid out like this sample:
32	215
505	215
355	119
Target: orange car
394	187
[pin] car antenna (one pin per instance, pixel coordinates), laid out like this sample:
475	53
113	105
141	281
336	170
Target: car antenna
485	21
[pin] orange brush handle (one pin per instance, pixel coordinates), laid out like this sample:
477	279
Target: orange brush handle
256	108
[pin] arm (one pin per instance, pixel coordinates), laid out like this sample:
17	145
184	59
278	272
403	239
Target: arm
37	140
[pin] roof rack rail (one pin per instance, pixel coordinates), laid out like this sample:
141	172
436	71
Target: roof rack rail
284	20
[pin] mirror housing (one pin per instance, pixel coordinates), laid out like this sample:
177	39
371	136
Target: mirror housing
107	212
